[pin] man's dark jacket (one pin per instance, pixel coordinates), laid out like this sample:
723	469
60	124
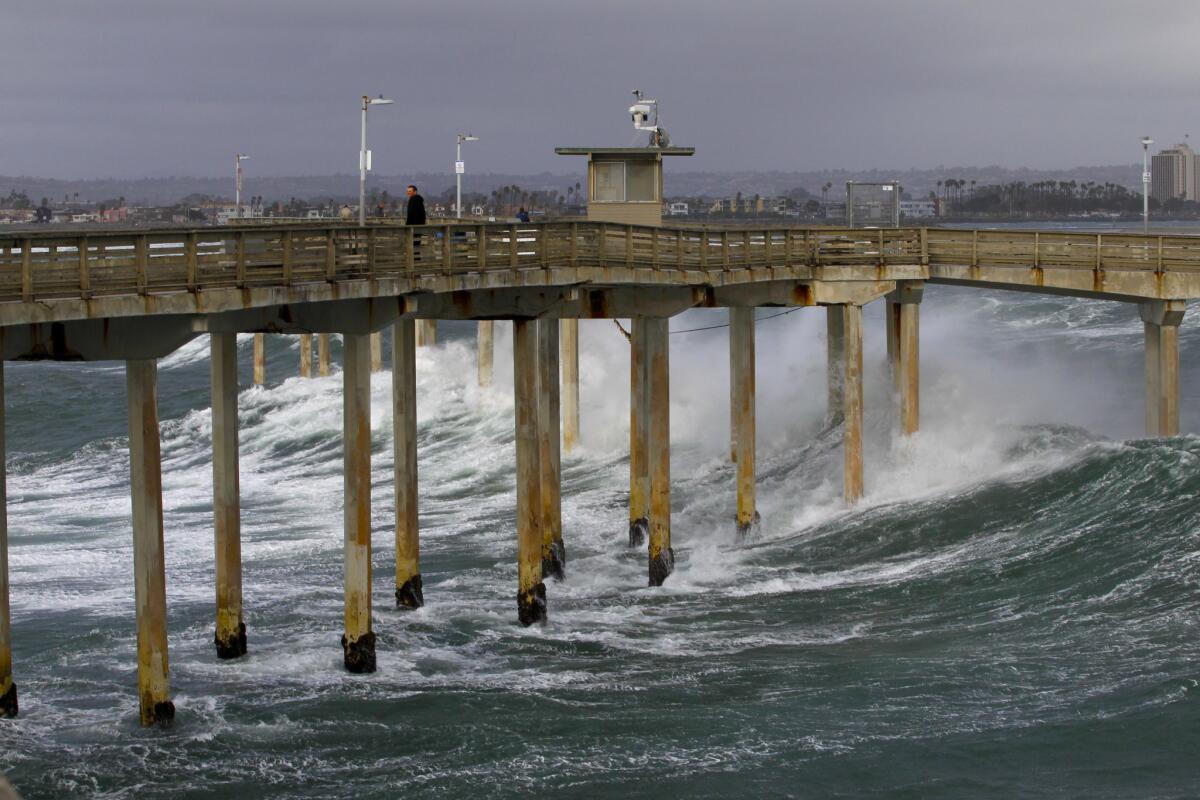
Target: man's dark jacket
416	210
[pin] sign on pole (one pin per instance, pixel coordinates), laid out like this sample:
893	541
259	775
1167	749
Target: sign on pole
460	167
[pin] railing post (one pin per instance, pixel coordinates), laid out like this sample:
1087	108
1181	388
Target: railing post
629	246
410	248
746	248
787	247
574	244
1099	251
140	258
514	255
767	247
27	270
924	247
679	250
447	249
882	260
654	248
704	248
330	255
1160	255
371	244
974	249
241	259
285	245
724	249
543	241
189	256
1037	256
481	237
85	288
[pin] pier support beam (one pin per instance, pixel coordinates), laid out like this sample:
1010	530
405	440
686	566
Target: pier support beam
358	642
741	379
306	354
903	331
426	332
554	554
227	525
531	591
8	689
486	333
835	345
323	354
661	556
851	392
149	570
409	593
1162	319
260	360
639	435
570	383
377	352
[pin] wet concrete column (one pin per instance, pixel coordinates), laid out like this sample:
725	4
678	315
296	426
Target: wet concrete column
1161	320
903	330
8	689
835	345
306	354
661	556
323	354
409	592
377	352
486	334
852	401
426	332
260	360
554	553
733	400
639	435
149	570
531	591
358	642
227	525
741	378
570	383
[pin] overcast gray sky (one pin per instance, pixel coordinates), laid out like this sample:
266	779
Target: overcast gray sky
129	88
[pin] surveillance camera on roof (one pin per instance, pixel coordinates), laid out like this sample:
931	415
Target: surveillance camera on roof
645	118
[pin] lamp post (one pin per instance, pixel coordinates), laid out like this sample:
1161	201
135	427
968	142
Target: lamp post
364	156
459	168
1146	142
237	182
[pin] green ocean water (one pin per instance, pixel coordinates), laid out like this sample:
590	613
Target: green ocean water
1013	611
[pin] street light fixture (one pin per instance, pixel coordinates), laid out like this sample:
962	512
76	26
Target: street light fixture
460	168
237	182
364	156
1146	142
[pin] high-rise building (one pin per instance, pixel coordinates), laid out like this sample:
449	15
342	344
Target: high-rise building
1173	175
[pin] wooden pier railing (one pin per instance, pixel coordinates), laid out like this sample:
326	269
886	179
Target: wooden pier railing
35	266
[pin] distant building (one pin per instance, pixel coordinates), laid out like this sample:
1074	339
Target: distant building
1173	175
678	209
918	209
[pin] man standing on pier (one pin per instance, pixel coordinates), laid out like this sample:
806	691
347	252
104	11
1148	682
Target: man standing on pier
415	216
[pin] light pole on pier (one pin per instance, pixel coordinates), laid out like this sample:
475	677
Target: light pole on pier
1146	142
459	169
237	182
364	156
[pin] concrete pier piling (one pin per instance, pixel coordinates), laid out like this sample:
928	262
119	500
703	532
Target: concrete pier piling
639	435
570	383
852	401
531	591
835	346
409	593
323	354
149	570
260	360
358	641
377	352
903	331
1161	320
231	629
554	553
306	355
661	556
8	689
741	379
486	334
426	332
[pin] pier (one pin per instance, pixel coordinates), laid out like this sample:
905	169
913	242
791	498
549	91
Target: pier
136	296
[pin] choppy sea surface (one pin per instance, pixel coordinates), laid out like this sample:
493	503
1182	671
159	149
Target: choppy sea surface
1012	611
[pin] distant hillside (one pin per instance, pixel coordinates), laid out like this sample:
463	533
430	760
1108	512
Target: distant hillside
166	191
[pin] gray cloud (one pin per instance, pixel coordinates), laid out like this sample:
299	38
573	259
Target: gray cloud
134	87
